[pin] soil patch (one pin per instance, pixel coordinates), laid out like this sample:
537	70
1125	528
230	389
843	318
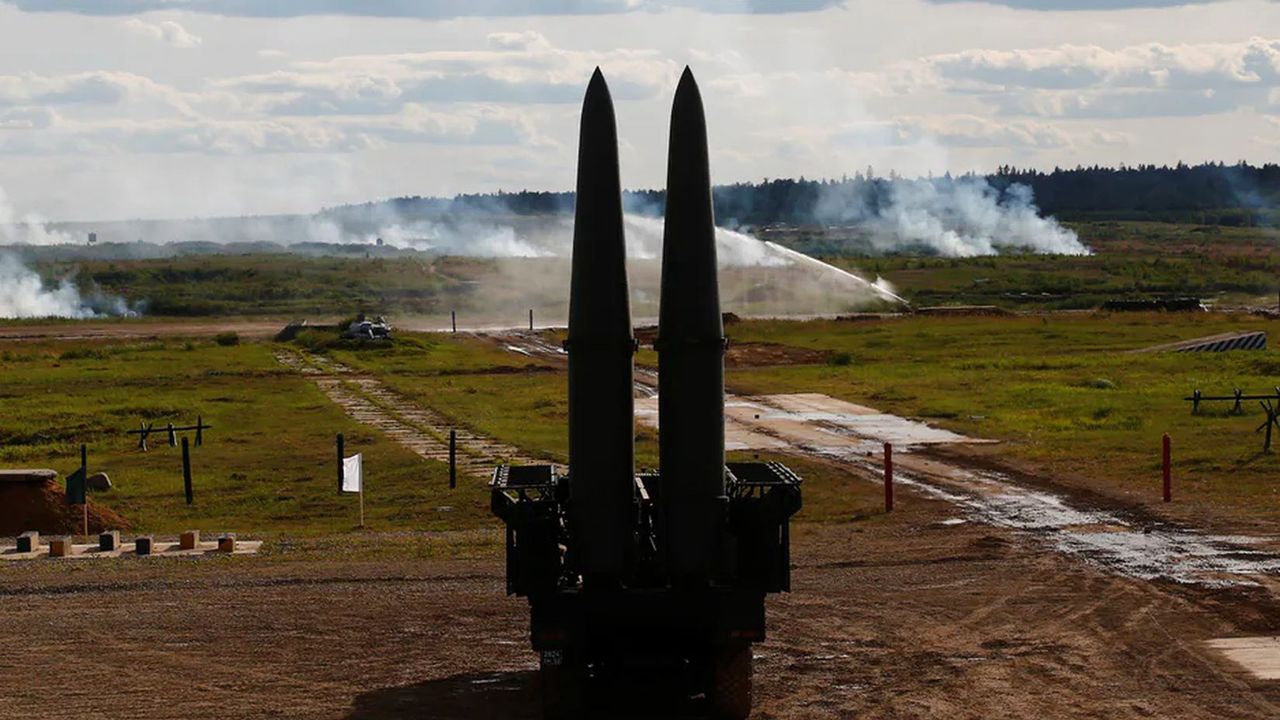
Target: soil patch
43	507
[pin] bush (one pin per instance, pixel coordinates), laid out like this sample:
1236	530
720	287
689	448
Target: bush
840	359
227	339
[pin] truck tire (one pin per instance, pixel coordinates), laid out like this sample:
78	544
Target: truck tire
563	686
730	694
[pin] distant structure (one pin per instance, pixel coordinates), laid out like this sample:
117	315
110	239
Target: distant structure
379	242
364	329
1225	342
93	238
1171	304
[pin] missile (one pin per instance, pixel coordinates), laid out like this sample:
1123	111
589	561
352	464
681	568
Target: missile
601	348
690	354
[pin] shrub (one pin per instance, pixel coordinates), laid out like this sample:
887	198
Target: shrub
227	339
840	359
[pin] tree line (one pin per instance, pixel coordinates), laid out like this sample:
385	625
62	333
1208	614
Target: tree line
1209	193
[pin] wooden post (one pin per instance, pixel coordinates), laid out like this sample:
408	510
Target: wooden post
1168	470
84	472
186	471
362	492
173	437
530	319
1195	403
341	457
888	477
199	431
453	459
453	317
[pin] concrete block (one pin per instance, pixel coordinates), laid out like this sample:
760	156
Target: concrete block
109	541
99	481
142	545
189	540
227	543
61	547
28	541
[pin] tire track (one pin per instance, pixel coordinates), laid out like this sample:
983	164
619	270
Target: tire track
424	431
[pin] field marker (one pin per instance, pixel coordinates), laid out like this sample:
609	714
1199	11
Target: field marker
888	477
1168	471
186	471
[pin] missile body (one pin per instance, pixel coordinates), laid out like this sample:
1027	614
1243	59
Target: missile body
690	354
601	349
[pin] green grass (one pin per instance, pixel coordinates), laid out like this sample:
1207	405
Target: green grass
1062	391
267	467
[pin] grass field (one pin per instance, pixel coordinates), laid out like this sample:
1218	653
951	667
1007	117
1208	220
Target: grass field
267	467
1224	264
1062	390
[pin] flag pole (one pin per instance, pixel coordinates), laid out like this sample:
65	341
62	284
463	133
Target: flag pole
362	494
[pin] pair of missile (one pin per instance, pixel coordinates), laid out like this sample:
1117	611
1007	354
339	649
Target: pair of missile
602	345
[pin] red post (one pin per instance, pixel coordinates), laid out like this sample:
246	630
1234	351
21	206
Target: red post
888	477
1168	474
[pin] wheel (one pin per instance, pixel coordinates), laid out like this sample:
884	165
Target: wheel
730	692
563	683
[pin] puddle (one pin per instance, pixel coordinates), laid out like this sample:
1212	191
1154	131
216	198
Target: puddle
1102	538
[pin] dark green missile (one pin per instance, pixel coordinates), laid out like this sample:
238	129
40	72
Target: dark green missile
601	349
690	353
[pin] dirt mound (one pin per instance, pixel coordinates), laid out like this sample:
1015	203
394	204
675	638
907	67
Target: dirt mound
43	507
760	354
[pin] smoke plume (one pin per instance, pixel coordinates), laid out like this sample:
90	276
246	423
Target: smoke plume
23	293
964	217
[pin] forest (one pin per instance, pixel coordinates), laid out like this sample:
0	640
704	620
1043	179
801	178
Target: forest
1208	194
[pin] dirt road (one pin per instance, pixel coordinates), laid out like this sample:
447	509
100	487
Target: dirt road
422	430
905	617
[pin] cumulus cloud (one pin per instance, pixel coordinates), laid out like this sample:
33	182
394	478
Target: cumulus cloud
166	31
1083	4
1151	79
99	87
418	8
519	68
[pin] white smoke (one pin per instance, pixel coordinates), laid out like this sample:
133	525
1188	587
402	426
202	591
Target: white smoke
964	217
23	293
29	229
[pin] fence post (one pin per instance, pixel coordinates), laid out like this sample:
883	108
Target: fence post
453	318
453	459
340	459
1168	471
888	477
186	471
199	431
530	319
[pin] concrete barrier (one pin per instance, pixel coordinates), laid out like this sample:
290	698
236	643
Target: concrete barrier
189	540
28	541
142	545
109	541
227	543
61	547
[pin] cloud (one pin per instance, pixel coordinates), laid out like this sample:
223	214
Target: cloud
477	126
427	9
89	88
519	68
1081	4
166	31
1152	79
27	119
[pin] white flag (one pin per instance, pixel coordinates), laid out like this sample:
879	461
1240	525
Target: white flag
353	473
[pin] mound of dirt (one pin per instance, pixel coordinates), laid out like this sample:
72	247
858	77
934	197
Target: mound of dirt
761	354
43	507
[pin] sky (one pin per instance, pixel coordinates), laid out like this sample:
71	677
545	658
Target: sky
119	109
